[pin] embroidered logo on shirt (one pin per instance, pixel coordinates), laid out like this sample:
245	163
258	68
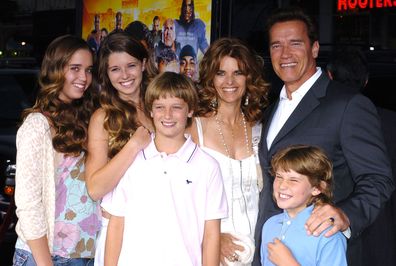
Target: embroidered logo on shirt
188	181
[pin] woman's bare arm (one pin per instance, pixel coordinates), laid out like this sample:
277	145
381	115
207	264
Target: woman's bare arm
102	175
40	251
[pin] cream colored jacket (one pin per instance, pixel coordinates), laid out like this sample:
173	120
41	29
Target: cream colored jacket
35	180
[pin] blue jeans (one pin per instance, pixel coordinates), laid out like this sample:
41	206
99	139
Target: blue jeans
25	258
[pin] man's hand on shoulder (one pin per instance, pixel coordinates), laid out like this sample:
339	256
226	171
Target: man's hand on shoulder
325	216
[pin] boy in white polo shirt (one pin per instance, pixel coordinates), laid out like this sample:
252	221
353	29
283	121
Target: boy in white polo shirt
166	210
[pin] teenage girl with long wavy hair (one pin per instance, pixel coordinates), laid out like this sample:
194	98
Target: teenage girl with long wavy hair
58	221
119	129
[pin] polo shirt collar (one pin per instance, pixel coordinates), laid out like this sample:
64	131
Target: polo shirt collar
300	219
185	153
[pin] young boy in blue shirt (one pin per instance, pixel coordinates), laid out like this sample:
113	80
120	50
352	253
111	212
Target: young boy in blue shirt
303	179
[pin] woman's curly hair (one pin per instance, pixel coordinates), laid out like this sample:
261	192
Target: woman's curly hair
120	115
69	120
251	66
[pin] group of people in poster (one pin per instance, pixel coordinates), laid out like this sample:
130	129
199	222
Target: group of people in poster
174	47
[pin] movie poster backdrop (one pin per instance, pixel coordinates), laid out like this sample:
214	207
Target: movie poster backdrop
114	15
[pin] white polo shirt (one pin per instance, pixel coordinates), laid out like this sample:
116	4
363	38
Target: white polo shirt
166	200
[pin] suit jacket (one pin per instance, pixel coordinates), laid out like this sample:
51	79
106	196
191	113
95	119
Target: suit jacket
346	126
383	230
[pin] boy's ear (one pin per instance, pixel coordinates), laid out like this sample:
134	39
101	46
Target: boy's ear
315	191
151	114
190	114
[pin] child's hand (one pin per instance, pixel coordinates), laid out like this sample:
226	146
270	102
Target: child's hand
141	138
279	254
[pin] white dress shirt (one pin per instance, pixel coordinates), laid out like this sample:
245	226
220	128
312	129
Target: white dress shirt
286	106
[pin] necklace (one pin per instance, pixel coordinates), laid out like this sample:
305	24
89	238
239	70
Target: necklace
243	186
227	150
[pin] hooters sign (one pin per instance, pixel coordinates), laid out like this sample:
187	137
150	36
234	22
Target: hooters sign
343	5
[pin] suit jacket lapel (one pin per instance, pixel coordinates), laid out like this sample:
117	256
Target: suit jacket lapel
268	115
309	102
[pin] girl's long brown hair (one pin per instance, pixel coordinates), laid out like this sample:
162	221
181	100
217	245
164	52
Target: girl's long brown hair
68	120
120	116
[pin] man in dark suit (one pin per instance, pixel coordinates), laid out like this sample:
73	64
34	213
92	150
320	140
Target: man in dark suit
314	110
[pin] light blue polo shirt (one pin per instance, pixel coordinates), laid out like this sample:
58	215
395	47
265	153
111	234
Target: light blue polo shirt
307	250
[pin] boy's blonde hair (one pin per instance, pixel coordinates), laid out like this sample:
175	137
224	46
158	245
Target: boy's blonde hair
174	85
310	161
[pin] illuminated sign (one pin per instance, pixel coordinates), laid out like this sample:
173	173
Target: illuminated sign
343	5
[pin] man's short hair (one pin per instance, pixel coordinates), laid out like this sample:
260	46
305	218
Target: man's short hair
290	14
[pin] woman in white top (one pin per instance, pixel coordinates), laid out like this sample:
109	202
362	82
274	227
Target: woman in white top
118	130
232	96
